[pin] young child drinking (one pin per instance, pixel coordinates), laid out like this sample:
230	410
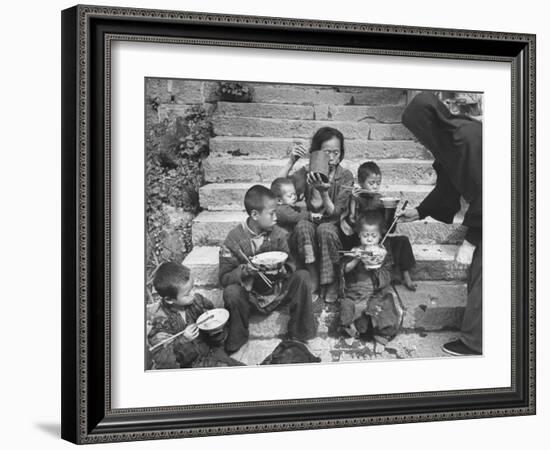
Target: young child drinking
177	312
288	213
366	278
366	197
245	290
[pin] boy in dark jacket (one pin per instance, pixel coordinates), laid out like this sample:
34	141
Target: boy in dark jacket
244	290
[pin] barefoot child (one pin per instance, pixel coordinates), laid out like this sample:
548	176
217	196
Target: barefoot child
363	283
367	197
177	311
244	290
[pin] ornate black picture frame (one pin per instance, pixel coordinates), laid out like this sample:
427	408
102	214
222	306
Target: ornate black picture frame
87	34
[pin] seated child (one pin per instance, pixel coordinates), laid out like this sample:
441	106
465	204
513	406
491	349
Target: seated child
366	197
363	284
244	290
288	214
177	312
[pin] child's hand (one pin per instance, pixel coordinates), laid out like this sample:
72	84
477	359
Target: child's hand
357	253
465	253
191	332
356	191
249	270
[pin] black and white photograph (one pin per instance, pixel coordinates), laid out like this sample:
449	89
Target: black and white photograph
297	223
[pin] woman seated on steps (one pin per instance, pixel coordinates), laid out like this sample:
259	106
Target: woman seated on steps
316	244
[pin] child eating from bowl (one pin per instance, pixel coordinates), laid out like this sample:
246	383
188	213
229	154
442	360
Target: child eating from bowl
244	289
366	197
177	313
367	277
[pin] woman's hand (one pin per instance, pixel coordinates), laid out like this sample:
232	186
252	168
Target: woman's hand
409	215
465	253
298	151
191	332
314	179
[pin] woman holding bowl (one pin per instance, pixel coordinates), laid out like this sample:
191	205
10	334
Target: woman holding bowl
317	243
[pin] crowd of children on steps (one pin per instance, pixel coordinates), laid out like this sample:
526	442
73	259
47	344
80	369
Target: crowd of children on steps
337	251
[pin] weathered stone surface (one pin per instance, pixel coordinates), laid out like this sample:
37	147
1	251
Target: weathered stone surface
433	262
265	110
358	113
402	171
229	196
432	232
175	91
353	113
420	345
268	93
255	351
211	228
383	132
172	110
260	127
279	148
434	305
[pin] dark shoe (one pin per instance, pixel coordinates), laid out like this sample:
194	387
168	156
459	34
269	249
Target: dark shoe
459	348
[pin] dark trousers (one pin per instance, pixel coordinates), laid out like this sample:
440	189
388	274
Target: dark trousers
402	253
471	323
301	325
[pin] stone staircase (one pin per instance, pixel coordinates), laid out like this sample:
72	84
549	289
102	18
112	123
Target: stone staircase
250	145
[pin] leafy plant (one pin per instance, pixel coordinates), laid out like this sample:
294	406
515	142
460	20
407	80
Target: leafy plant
175	149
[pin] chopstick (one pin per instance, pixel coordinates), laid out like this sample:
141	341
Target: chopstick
171	338
166	341
262	275
405	203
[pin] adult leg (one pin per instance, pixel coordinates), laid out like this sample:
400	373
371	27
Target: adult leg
471	331
301	325
235	299
403	257
329	245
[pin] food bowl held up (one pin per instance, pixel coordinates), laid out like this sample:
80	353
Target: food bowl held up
213	320
373	257
270	260
318	164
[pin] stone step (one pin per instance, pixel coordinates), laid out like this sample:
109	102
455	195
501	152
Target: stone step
229	196
211	228
259	127
354	113
394	171
315	95
433	262
279	148
338	349
434	306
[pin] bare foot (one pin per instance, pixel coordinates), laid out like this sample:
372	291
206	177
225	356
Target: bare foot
350	330
408	282
330	292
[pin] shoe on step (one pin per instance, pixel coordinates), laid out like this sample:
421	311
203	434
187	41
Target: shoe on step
459	348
